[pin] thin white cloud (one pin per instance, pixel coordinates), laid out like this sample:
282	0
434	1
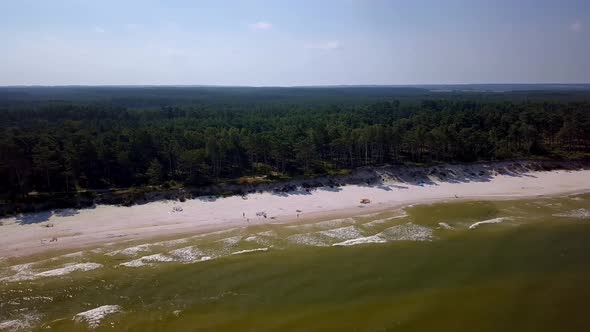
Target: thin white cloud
326	45
261	25
576	26
98	29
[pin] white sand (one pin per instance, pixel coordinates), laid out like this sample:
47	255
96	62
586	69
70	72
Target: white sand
112	224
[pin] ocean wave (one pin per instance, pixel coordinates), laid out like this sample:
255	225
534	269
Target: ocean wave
323	224
135	250
25	322
384	220
187	254
73	255
307	239
342	233
182	255
148	260
131	251
361	240
489	221
248	251
94	316
26	273
407	232
231	240
444	225
69	269
579	213
263	238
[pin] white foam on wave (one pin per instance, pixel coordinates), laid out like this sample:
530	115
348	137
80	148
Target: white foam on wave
14	325
369	215
361	240
489	221
325	237
407	232
579	213
249	251
18	272
267	233
135	250
73	255
185	255
382	221
263	238
307	239
134	263
94	316
170	243
37	298
231	240
444	225
323	224
131	251
352	236
26	322
26	273
223	231
148	260
342	233
69	269
21	267
157	258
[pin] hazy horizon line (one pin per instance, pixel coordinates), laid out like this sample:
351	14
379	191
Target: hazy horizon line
290	86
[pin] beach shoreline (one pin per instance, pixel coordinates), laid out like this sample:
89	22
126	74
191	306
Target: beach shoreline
69	230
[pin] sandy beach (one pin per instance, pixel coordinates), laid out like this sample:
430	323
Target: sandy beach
63	230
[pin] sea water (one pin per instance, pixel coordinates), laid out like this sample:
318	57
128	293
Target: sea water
458	266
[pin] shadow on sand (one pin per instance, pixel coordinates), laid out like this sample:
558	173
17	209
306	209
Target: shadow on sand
43	216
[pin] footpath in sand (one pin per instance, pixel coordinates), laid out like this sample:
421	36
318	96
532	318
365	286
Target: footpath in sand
69	229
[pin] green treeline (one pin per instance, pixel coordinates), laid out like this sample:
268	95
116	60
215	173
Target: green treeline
66	146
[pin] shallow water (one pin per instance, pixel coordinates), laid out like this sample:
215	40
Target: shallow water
474	266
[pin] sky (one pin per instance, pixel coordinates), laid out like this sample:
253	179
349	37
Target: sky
293	42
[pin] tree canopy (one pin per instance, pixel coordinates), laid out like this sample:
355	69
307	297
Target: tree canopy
62	145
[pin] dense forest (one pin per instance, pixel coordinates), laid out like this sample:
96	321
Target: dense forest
72	139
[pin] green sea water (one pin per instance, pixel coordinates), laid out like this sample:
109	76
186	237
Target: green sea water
423	268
